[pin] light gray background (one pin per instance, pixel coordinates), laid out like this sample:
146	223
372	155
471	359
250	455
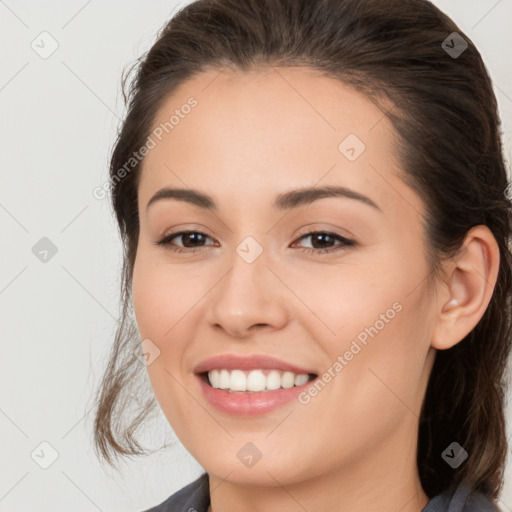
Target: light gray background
58	121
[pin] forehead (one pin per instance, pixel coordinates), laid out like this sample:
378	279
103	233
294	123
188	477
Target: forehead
267	128
275	101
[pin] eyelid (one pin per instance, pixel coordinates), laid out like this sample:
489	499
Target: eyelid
317	227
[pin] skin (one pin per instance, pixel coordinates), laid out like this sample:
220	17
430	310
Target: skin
254	135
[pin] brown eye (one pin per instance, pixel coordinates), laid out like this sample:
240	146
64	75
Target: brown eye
320	238
191	240
194	241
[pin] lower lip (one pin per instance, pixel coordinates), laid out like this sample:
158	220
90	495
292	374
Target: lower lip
250	403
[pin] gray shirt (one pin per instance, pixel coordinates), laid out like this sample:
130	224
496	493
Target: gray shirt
195	497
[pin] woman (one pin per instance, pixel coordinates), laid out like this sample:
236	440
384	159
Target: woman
313	203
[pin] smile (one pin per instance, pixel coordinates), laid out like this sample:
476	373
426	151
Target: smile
250	385
255	380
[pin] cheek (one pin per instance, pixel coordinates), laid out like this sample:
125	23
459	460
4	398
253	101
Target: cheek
379	324
162	299
379	363
347	300
167	304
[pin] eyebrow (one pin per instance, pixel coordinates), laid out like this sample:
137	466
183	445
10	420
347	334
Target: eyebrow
284	201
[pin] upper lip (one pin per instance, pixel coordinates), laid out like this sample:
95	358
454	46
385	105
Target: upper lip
254	362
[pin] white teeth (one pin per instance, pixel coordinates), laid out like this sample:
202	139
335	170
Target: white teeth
301	379
238	381
223	380
288	380
214	378
255	380
273	380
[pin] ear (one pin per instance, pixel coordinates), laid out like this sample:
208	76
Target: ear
469	281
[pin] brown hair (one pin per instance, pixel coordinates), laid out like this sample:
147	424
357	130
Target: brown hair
445	113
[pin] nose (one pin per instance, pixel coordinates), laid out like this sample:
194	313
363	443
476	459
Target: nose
249	297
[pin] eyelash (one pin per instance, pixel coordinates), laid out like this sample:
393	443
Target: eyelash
345	242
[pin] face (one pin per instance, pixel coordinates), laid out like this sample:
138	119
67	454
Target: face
319	305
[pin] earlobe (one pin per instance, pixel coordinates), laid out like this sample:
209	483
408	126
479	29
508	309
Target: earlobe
469	284
451	304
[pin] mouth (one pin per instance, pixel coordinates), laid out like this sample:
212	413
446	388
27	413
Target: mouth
254	385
